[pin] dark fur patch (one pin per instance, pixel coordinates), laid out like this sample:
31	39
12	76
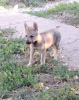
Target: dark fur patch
35	43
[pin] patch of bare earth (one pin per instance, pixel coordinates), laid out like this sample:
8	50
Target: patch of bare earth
50	81
65	17
47	81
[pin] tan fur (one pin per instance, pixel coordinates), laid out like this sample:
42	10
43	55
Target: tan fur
41	41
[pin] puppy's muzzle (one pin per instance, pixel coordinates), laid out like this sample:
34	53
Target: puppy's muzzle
27	42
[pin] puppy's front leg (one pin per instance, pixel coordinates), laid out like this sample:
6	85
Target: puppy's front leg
31	55
43	52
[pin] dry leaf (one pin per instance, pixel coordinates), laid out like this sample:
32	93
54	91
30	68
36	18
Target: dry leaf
62	57
75	69
0	32
33	90
63	61
59	52
27	46
61	17
72	89
77	88
14	91
58	82
40	66
54	77
57	26
8	99
65	64
47	88
77	26
53	67
69	69
69	59
77	92
39	85
11	79
76	77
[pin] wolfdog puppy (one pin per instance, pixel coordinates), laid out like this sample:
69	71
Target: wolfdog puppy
41	41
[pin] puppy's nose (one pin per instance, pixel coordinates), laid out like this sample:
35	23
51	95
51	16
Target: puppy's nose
27	42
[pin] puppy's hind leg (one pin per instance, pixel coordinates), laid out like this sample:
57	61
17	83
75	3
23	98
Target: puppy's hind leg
55	53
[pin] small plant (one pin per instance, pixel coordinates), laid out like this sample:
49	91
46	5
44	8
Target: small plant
71	11
3	3
63	93
63	74
14	74
30	2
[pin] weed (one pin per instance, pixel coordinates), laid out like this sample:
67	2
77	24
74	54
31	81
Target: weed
30	2
34	2
63	93
71	7
63	74
3	3
14	73
71	11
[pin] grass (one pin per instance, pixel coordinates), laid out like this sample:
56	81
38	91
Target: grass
63	93
71	11
71	8
23	3
3	3
45	82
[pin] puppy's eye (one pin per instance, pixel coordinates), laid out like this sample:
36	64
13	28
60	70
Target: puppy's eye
26	35
31	36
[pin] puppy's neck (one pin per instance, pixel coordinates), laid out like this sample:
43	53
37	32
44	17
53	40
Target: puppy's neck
38	40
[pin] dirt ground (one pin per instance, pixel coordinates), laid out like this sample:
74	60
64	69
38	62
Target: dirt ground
70	34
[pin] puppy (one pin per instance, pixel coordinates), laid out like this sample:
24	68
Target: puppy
41	41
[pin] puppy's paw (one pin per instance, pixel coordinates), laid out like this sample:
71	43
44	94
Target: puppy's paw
29	65
54	57
42	63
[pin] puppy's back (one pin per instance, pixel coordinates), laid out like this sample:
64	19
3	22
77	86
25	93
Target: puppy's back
52	38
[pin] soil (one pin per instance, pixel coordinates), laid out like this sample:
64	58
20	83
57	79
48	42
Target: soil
66	18
70	34
69	42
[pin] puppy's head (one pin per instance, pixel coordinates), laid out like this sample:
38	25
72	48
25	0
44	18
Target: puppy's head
31	33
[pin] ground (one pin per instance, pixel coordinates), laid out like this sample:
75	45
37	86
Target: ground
52	82
69	41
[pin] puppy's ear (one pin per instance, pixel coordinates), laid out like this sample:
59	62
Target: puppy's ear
35	26
26	27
